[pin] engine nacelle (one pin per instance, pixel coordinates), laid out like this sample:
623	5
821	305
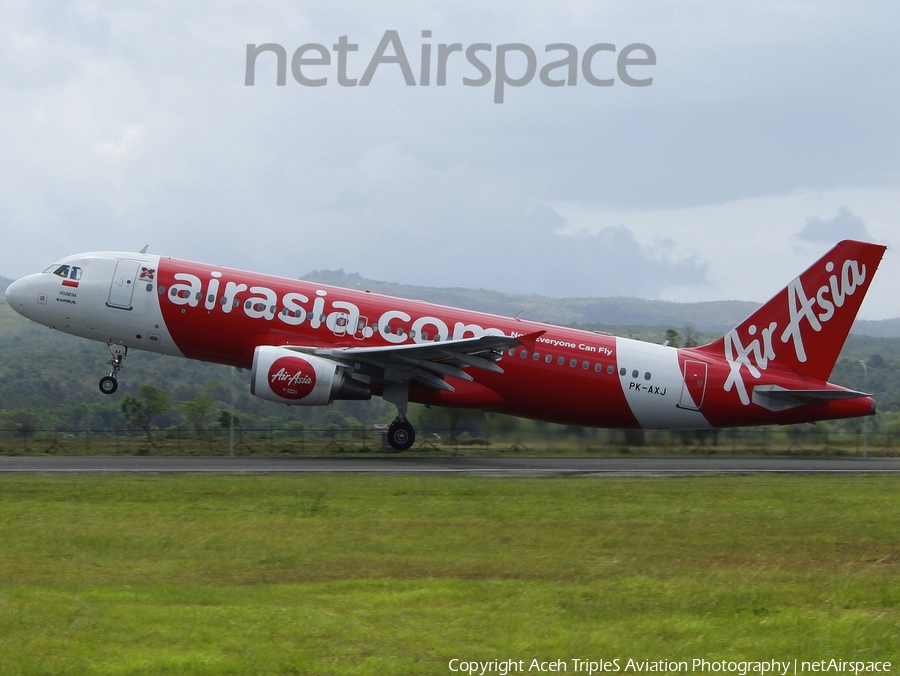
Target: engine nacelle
297	379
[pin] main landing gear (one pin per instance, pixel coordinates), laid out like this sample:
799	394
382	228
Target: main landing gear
401	435
109	384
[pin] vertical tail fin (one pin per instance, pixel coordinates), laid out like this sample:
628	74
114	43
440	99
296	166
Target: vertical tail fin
803	328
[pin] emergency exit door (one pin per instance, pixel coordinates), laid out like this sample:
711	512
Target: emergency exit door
694	387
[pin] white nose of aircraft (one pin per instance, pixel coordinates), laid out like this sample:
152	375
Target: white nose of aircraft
16	293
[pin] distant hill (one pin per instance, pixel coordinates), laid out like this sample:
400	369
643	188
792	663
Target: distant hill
55	375
712	317
883	328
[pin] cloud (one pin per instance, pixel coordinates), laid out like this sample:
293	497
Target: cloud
128	141
131	124
607	262
619	266
545	218
845	225
750	247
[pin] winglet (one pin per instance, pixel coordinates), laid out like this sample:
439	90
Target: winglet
144	250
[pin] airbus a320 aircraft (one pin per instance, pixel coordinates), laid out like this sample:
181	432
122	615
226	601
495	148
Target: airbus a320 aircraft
309	344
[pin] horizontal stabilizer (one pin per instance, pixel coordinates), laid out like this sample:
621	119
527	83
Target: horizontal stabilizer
776	398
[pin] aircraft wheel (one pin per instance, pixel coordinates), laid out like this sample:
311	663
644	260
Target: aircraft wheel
401	435
108	385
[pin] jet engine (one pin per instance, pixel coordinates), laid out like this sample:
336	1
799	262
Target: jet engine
297	379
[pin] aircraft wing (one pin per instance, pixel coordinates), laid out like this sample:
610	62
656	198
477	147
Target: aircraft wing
425	363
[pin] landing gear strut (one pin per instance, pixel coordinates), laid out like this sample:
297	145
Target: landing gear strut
401	435
109	384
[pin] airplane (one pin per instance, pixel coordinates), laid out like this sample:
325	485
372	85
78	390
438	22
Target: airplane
309	344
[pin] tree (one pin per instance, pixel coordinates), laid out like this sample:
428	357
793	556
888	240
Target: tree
196	412
224	420
673	338
691	339
25	422
142	411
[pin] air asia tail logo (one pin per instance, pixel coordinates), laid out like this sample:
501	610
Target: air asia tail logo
755	350
292	377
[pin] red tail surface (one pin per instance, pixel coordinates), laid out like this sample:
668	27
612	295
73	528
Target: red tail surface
803	328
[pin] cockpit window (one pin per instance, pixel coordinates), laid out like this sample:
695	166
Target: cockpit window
65	271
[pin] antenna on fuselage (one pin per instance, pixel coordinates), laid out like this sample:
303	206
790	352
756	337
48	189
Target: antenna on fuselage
144	250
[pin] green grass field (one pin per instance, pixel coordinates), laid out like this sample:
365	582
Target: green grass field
398	575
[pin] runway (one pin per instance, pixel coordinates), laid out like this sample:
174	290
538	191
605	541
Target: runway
445	465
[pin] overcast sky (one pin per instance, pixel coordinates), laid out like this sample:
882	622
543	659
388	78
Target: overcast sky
769	132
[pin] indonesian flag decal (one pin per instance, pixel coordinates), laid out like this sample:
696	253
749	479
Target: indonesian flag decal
70	282
147	273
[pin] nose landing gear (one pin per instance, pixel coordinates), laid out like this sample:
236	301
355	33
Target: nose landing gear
109	384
